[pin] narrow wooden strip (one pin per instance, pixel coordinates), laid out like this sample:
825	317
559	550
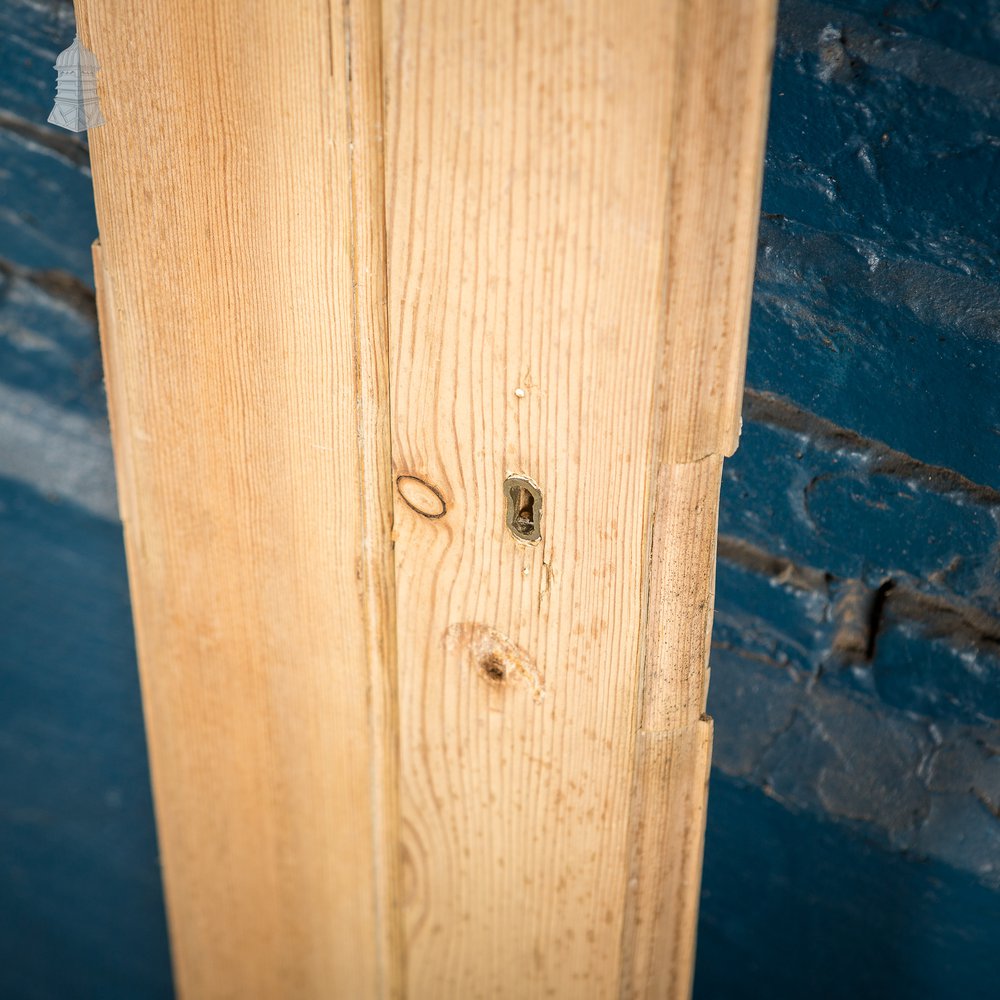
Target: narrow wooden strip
243	325
673	753
716	165
716	168
118	406
668	823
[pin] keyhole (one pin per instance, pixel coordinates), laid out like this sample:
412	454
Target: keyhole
524	508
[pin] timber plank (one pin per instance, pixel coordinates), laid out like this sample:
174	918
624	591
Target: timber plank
546	188
238	188
555	302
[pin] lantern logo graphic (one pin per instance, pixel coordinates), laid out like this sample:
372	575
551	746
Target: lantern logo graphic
76	106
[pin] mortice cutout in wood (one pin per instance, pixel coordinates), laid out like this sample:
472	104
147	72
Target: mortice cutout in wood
524	508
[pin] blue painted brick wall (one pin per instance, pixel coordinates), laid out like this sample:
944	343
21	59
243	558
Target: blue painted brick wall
81	908
853	844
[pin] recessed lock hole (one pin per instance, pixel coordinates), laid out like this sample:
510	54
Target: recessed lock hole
524	508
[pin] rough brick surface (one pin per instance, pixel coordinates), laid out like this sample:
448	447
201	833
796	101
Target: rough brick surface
877	299
853	846
854	824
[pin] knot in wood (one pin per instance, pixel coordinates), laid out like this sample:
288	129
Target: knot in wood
421	497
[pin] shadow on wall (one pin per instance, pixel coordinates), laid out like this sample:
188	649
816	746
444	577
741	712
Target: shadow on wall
81	908
795	906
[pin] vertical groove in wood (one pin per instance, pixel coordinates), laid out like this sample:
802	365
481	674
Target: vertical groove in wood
363	35
241	281
681	594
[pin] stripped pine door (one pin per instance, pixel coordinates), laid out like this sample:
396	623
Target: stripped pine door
424	326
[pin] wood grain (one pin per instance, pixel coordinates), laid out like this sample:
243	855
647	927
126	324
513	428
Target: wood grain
668	824
716	154
241	285
570	202
716	164
674	743
569	267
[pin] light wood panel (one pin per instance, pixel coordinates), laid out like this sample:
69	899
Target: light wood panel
241	286
571	205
